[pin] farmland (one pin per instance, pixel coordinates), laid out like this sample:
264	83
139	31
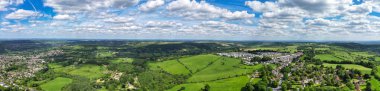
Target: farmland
171	66
230	84
375	84
56	85
89	71
122	60
223	68
350	66
196	63
327	57
377	58
211	69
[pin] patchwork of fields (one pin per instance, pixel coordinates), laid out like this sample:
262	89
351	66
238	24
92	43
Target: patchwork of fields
339	54
219	72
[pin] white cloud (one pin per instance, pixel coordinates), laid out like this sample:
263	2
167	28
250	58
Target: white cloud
5	3
262	7
308	8
119	20
166	24
78	6
5	23
319	22
317	6
151	4
63	17
21	14
364	8
202	10
375	5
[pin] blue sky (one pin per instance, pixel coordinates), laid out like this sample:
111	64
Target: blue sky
188	19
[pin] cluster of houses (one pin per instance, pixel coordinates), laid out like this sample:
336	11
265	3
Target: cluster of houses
29	64
277	57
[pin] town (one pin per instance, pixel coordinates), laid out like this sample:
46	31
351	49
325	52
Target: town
19	67
275	57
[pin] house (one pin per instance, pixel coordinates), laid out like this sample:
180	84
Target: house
2	84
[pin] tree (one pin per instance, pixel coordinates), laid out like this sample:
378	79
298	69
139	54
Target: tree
255	59
206	88
369	87
350	85
266	58
367	76
284	87
248	87
182	88
274	83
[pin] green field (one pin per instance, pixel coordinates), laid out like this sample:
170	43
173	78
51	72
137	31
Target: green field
363	54
171	66
343	55
103	54
377	58
322	49
77	47
224	68
325	57
291	49
196	63
231	84
375	84
350	66
219	72
89	71
378	68
60	68
56	84
122	60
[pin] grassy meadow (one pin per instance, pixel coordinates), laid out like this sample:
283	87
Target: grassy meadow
56	85
196	63
325	57
88	71
219	72
224	68
122	60
230	84
171	66
350	66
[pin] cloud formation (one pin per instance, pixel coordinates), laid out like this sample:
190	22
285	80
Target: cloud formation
78	6
151	5
191	19
21	14
201	10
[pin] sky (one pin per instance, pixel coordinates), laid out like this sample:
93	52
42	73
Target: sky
336	20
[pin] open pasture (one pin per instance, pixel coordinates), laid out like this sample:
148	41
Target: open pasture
56	85
171	66
196	63
230	84
325	57
350	66
224	68
89	71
